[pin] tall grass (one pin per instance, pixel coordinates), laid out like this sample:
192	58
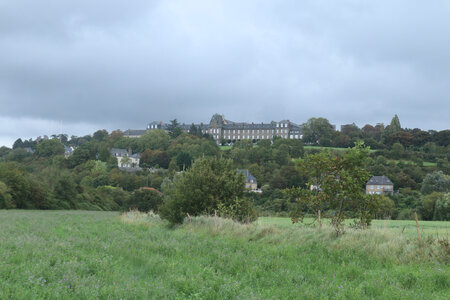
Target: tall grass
91	255
382	243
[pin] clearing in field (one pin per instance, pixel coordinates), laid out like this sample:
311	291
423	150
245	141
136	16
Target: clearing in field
78	254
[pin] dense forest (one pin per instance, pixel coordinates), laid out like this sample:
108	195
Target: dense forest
36	174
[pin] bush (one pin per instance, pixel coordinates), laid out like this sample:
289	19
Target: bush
240	210
442	208
5	197
208	185
145	200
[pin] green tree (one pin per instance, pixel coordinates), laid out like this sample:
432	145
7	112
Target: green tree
335	183
150	158
184	160
435	182
429	205
81	155
208	185
17	184
385	207
49	148
442	208
315	129
100	135
174	128
154	140
65	192
145	200
397	151
5	197
395	125
18	144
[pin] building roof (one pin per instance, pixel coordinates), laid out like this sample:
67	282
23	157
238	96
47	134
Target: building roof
379	180
118	152
219	121
247	174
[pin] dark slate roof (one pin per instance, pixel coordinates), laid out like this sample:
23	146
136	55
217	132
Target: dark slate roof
379	180
218	121
118	152
247	174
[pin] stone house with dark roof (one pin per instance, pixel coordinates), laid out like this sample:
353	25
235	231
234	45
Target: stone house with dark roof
379	185
125	159
250	181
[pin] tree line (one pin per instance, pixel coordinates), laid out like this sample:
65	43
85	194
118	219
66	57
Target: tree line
90	179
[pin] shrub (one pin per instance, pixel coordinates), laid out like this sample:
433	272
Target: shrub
145	200
209	184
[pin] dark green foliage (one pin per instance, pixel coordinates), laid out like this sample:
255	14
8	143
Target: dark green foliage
395	125
442	208
145	200
174	129
17	185
184	161
48	148
18	144
65	192
436	182
81	155
209	184
100	135
5	197
155	158
317	129
152	139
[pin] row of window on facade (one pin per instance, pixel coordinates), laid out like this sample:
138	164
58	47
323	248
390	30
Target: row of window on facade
248	131
258	137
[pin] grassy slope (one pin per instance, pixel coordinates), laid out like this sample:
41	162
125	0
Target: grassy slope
73	254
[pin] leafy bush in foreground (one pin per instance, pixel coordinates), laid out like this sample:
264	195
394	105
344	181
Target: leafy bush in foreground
208	185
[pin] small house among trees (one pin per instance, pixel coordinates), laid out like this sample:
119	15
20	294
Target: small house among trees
379	185
250	181
125	159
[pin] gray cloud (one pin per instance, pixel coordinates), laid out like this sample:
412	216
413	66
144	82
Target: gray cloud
120	65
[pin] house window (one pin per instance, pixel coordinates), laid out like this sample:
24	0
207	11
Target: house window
371	187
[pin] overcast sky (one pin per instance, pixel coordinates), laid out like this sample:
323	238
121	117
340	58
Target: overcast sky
77	66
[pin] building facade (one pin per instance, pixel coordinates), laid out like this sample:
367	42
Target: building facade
125	159
225	131
379	185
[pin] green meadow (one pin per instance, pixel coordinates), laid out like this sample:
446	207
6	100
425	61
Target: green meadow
85	255
402	227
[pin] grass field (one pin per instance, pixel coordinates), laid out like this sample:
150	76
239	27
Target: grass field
405	227
409	162
85	255
227	147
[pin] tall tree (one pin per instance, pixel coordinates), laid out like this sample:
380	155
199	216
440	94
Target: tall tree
174	128
18	144
335	183
315	129
395	125
48	148
193	130
100	135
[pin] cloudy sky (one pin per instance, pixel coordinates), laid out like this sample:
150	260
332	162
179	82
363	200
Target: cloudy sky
79	65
